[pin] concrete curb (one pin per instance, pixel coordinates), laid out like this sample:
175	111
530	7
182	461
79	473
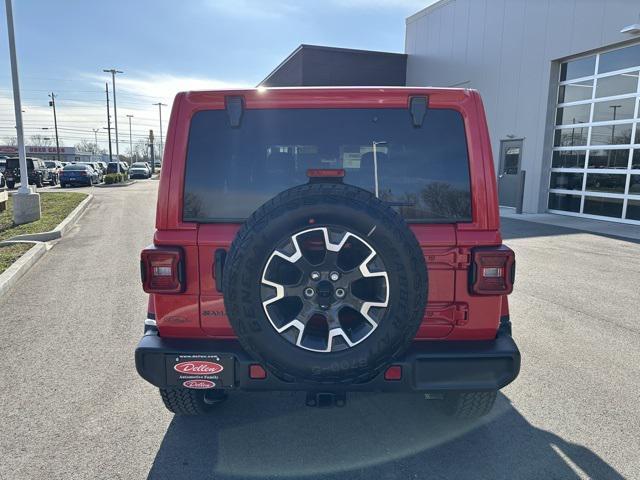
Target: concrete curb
57	232
15	272
114	185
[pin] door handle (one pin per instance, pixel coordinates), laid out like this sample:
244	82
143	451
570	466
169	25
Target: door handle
501	175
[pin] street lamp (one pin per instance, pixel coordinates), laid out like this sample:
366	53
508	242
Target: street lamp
613	127
52	103
95	134
113	72
130	140
160	105
26	204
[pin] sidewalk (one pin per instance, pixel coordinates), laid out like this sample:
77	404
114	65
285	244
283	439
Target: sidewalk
601	227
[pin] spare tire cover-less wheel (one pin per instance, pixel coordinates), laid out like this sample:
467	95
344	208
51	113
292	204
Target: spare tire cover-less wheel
325	283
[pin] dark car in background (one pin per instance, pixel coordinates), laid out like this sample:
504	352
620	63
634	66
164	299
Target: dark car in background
140	170
37	172
78	174
54	167
112	167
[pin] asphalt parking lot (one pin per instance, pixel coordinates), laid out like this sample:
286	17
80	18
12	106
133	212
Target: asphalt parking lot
72	405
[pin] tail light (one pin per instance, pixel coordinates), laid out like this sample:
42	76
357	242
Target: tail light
492	270
162	270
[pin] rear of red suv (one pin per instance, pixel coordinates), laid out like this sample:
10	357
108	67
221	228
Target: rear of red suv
328	240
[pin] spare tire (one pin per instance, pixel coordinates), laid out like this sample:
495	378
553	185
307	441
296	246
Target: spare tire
325	284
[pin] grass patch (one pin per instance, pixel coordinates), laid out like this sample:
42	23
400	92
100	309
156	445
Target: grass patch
55	208
10	253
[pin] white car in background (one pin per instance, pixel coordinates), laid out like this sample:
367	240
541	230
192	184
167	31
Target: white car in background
139	170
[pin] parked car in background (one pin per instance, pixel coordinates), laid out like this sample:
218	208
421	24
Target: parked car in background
54	168
112	167
103	167
37	172
3	183
76	174
157	164
3	163
98	168
140	170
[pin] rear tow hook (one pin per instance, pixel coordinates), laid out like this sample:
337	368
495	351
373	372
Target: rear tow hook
326	399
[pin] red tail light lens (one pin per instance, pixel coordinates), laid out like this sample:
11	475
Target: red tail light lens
492	270
394	372
162	270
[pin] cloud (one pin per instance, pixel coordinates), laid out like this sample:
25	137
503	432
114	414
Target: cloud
162	87
82	110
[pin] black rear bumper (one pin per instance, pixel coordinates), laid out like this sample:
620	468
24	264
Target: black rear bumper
427	366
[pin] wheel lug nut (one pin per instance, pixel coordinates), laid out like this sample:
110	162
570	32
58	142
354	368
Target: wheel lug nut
334	276
308	292
340	293
315	275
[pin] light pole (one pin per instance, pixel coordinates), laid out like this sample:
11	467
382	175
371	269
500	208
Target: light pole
113	72
160	105
375	163
95	134
106	87
26	205
130	141
613	127
52	103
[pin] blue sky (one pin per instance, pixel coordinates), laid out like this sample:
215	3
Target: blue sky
167	46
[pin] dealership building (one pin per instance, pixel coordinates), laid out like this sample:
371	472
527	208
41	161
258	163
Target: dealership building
560	84
65	154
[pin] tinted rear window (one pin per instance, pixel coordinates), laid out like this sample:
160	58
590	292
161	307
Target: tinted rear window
15	163
75	167
423	172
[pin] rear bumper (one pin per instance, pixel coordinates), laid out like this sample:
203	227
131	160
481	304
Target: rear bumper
427	366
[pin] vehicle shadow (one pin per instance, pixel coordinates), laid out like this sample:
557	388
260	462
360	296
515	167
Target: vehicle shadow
381	436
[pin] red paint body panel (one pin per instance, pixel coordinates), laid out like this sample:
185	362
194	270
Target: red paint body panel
452	312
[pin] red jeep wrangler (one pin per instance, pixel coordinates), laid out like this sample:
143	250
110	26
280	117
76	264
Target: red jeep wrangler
328	240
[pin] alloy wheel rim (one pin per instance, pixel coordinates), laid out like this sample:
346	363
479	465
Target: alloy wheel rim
325	289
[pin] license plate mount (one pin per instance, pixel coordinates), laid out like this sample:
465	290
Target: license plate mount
200	371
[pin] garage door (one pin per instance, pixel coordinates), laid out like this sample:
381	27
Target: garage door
595	165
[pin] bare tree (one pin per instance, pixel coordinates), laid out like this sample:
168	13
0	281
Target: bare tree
140	151
40	141
89	147
10	141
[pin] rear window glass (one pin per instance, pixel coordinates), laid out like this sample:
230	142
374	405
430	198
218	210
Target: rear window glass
422	172
15	163
75	167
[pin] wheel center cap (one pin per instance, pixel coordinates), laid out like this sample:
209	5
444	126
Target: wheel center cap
324	293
